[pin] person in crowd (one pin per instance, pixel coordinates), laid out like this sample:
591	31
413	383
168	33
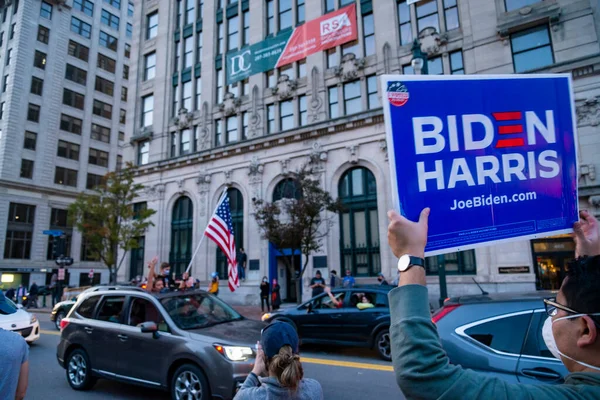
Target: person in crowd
277	372
349	281
14	368
10	294
317	284
214	284
364	302
54	289
334	279
32	296
571	333
264	294
165	272
381	279
276	295
186	282
155	284
242	259
337	302
21	292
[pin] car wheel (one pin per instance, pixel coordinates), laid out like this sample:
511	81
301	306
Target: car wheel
59	317
79	371
189	383
383	344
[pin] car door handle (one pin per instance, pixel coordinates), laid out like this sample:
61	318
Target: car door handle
88	329
542	373
123	337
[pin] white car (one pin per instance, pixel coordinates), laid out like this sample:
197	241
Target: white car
22	322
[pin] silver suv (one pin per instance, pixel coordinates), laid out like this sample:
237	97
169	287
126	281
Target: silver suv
189	343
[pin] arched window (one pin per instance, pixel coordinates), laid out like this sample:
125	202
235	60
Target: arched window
236	204
181	235
286	189
359	229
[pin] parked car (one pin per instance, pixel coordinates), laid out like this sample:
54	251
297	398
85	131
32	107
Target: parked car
190	343
500	334
22	322
319	321
61	309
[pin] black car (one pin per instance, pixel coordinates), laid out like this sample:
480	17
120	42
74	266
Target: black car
319	321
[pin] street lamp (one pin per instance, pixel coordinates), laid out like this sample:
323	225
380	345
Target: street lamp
419	60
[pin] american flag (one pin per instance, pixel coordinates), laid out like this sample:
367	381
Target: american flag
220	231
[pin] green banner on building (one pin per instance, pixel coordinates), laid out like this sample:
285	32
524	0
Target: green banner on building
257	58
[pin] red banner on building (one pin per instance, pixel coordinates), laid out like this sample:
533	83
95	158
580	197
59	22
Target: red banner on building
330	30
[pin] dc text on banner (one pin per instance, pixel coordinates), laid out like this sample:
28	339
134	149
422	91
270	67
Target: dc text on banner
494	157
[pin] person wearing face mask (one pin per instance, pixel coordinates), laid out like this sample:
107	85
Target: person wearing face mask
572	331
264	294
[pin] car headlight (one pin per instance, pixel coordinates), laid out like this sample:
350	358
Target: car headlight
235	353
265	316
33	319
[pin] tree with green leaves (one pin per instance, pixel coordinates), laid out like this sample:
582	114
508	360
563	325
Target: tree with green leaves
299	221
108	220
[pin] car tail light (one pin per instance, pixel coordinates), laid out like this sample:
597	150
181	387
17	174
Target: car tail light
64	323
441	313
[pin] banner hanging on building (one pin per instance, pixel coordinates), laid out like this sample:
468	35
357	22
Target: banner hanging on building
325	32
494	157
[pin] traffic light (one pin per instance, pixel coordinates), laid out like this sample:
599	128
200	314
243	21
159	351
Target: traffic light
55	247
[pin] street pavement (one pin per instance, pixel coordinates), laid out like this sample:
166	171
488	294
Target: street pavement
343	373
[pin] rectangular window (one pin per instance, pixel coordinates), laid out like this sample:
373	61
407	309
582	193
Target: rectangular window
451	14
369	34
73	99
198	84
532	49
271	119
122	116
37	86
461	263
129	30
373	98
26	169
179	13
65	176
68	150
232	33
102	109
329	5
287	70
218	132
30	140
43	34
175	100
199	47
33	113
8	53
75	74
143	152
39	60
59	221
351	47
12	31
98	157
114	3
245	124
246	31
85	6
270	17
352	100
334	109
303	110
2	109
149	66
45	11
130	9
173	144
93	181
121	136
332	58
105	86
512	5
435	66
119	165
189	12
106	63
125	71
151	25
70	124
427	15
127	50
456	63
271	79
188	52
220	38
300	12
232	129
19	231
123	93
79	51
177	55
302	68
1	38
5	84
185	142
81	28
108	41
220	80
100	133
286	115
148	110
285	14
187	96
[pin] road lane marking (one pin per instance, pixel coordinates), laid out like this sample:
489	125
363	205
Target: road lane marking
348	364
45	332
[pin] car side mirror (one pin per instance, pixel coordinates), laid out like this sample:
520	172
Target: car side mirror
149	327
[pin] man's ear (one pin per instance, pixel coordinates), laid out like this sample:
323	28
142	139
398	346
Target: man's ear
589	332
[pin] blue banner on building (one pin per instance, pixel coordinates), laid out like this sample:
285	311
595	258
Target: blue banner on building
494	157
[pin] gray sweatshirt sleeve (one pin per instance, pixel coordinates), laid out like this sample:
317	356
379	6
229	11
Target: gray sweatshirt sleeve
423	370
249	389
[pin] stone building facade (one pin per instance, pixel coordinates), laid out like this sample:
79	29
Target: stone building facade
192	135
64	68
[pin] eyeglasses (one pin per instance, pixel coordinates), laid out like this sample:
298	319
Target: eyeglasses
552	307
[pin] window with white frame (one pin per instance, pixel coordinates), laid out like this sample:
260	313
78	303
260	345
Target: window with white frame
188	52
143	152
246	28
427	15
352	98
233	26
152	25
175	105
232	129
368	35
270	17
302	110
149	66
271	119
245	124
372	97
532	49
185	142
286	115
218	132
187	96
300	11
451	15
189	12
456	63
334	109
147	110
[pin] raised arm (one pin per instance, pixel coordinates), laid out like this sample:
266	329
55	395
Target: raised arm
332	297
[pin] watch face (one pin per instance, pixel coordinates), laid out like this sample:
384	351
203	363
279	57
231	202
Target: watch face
403	263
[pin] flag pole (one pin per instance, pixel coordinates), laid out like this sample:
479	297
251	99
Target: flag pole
202	236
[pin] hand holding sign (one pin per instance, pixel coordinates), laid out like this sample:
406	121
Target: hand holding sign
586	235
407	237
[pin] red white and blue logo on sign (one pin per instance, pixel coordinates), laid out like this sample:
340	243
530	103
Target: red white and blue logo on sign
397	94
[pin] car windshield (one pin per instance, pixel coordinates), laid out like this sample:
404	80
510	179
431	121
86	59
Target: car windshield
196	311
13	305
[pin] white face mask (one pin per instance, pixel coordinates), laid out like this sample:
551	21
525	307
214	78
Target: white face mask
551	343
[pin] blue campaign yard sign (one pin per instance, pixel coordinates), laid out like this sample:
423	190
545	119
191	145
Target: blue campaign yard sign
494	157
